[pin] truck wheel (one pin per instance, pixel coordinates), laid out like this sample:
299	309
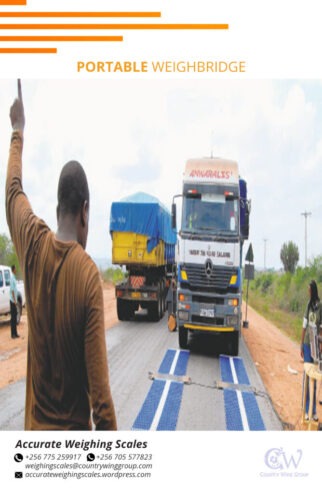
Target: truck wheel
163	298
160	305
154	311
160	302
234	344
125	310
19	311
120	309
183	337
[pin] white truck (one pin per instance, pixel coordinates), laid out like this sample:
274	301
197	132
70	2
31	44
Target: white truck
5	275
215	223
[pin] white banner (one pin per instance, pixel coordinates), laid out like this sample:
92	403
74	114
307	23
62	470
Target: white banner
220	253
156	461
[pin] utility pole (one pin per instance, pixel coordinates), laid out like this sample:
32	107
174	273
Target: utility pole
305	214
264	240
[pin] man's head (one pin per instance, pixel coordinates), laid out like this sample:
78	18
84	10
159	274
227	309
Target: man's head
13	269
73	200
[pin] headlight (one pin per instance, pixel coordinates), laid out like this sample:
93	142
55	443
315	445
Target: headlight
232	320
233	302
183	306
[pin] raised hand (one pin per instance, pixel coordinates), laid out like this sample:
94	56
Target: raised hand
17	114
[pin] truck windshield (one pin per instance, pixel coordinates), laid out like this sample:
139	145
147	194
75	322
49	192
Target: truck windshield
210	209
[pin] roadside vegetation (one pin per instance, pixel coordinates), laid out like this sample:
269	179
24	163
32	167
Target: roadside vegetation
113	275
8	255
281	297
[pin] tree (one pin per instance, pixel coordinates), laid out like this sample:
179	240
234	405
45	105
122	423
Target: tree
289	256
8	254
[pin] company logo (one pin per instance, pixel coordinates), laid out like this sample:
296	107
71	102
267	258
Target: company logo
280	463
208	267
277	459
211	174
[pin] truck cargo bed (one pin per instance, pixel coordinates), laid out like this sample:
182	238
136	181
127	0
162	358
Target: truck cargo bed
131	249
141	232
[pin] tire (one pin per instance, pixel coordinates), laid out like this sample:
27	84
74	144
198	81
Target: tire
160	305
19	311
163	298
183	337
154	311
125	310
120	309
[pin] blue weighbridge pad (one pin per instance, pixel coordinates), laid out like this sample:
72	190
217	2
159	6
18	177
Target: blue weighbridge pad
160	409
241	408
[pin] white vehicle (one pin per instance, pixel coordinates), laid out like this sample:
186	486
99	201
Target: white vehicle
5	275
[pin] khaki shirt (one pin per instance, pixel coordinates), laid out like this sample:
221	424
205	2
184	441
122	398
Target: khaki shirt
67	371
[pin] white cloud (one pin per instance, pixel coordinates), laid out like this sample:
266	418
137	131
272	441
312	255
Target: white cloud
137	135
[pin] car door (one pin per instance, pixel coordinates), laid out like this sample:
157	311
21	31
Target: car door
3	302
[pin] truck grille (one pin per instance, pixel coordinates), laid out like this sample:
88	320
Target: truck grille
206	299
218	278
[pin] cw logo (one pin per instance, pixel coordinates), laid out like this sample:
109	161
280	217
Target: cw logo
276	458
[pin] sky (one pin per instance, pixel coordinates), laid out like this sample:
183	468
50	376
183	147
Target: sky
136	135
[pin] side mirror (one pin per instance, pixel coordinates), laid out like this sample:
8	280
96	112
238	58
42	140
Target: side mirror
244	226
174	216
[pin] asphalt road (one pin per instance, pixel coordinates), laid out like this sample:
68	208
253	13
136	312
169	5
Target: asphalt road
135	350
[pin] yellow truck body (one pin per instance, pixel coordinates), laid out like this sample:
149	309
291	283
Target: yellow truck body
131	248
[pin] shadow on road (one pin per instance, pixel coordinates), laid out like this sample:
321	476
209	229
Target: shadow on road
208	344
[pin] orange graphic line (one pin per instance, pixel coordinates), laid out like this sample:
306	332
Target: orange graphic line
28	50
13	2
114	26
80	14
61	38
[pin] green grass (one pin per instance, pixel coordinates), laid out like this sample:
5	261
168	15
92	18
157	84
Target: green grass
289	323
282	297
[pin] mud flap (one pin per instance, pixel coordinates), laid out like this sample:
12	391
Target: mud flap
172	322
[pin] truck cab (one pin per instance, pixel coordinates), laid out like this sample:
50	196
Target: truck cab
214	225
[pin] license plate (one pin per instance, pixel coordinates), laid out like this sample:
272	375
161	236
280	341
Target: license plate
207	311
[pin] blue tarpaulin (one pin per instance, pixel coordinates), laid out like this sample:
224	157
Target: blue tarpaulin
144	214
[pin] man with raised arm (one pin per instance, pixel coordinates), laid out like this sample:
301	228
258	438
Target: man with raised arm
67	373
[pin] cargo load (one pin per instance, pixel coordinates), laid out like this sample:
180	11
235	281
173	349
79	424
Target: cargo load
144	242
141	231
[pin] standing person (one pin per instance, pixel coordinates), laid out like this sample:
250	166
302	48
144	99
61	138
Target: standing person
13	303
312	315
67	371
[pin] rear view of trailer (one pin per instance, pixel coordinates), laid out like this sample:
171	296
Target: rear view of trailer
144	242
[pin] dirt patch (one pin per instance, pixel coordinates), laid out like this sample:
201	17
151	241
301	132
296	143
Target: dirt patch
280	366
13	352
277	359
